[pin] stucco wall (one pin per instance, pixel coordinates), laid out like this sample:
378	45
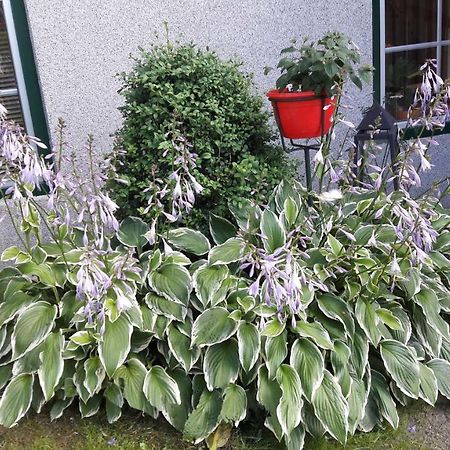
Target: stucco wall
80	45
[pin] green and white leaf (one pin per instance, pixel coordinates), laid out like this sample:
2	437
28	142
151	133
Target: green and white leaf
173	282
234	407
275	352
230	251
402	366
207	281
160	389
16	399
441	370
331	408
212	327
249	345
221	364
52	364
289	410
115	344
32	327
308	361
189	240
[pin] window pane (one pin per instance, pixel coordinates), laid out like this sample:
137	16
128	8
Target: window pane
402	78
445	62
446	19
402	21
8	85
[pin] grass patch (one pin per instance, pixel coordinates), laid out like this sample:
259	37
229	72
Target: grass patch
421	428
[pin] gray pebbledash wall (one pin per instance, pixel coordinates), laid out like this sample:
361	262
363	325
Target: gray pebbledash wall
80	46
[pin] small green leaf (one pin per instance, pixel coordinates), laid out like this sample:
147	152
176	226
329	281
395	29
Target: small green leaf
221	229
273	328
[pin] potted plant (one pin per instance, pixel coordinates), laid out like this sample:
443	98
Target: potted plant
311	80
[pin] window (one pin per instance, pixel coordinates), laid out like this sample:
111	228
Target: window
19	86
409	32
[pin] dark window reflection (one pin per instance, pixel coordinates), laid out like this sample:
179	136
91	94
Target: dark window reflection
402	24
402	78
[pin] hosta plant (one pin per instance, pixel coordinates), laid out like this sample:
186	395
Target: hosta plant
317	314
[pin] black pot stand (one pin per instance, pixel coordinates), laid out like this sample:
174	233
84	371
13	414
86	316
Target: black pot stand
295	145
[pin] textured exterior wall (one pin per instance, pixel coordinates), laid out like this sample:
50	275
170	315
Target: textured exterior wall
80	46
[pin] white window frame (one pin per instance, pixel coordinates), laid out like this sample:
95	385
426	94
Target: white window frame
437	44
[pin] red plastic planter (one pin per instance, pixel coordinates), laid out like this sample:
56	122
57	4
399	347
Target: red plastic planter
299	114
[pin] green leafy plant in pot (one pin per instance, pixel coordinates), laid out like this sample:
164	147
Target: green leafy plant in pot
311	82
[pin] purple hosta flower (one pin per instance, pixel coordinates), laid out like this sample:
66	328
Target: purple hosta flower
432	98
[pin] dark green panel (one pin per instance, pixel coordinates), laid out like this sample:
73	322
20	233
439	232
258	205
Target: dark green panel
29	71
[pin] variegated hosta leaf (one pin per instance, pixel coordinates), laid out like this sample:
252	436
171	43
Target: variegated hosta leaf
16	399
212	327
230	251
207	281
359	392
441	370
359	353
289	410
316	332
221	364
273	328
59	406
32	327
269	392
274	235
113	402
175	414
115	345
179	345
276	352
234	407
296	440
163	306
383	398
189	240
428	385
205	417
91	407
429	303
52	364
402	366
133	375
249	345
172	281
307	359
341	362
368	319
13	305
337	309
95	374
160	389
331	408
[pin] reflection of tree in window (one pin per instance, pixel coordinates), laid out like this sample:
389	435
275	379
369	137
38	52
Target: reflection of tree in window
9	95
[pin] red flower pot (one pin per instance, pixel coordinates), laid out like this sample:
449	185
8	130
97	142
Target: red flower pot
299	114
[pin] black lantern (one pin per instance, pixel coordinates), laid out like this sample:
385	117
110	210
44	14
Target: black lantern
380	127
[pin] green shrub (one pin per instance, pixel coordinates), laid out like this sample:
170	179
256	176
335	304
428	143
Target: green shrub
213	105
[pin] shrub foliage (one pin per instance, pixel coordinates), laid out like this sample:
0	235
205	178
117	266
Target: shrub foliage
212	103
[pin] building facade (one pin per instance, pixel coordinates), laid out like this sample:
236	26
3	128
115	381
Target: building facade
61	58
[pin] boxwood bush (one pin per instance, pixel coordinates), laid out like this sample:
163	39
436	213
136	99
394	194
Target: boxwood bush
212	103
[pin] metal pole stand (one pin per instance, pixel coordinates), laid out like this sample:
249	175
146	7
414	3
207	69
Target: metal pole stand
305	147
